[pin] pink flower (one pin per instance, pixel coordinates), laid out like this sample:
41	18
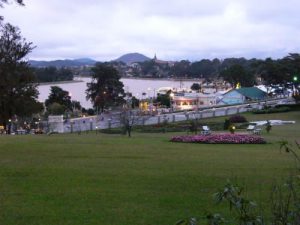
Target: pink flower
220	139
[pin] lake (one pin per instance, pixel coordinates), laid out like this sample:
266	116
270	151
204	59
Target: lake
135	86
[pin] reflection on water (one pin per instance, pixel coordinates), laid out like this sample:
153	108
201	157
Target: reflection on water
135	86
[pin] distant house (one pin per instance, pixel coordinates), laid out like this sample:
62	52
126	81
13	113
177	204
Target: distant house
192	101
162	62
242	95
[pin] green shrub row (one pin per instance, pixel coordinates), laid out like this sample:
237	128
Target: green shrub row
112	131
272	110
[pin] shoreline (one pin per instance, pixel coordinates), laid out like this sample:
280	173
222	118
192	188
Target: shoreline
122	78
60	82
150	78
163	79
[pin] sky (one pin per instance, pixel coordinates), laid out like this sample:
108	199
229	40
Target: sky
171	29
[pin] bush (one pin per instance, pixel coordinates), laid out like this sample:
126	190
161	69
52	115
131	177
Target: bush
220	139
293	107
272	110
159	128
237	119
226	124
112	131
184	126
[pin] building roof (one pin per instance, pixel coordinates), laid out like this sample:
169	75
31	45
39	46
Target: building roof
252	92
263	88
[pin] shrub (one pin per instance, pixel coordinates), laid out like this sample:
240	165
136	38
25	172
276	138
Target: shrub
193	126
226	124
293	107
112	131
220	139
237	119
272	110
268	126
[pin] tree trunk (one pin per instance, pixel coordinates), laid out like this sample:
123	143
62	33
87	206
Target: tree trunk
129	131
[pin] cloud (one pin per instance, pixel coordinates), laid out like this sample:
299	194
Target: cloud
174	30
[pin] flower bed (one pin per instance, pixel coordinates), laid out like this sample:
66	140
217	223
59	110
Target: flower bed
220	139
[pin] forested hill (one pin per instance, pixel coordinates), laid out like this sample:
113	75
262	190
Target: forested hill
63	63
132	57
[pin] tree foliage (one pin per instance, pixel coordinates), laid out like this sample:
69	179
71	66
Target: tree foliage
20	2
279	71
196	87
2	2
18	93
204	68
180	68
56	109
164	99
59	96
106	89
52	74
237	74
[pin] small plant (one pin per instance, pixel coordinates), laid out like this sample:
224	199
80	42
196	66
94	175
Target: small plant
194	126
226	124
244	209
284	204
268	126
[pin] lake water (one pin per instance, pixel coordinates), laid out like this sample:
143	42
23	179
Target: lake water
135	86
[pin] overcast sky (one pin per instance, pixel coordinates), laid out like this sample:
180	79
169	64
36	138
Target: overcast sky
173	29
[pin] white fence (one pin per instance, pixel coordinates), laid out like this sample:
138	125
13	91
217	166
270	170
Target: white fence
113	120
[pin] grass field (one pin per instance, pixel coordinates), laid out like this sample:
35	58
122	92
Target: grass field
112	179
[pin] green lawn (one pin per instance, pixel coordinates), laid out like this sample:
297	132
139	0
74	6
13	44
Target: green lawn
111	179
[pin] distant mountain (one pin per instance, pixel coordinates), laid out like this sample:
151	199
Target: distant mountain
132	57
63	63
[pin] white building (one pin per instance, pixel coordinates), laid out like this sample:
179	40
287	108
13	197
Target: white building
192	101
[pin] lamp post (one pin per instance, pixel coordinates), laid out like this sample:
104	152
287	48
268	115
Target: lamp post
9	126
295	82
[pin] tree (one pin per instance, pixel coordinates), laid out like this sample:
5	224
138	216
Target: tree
204	68
129	118
272	71
56	109
196	87
59	96
135	102
180	69
164	99
237	74
51	74
106	89
20	2
18	91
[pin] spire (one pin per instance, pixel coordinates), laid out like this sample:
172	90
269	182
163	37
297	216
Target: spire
155	58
